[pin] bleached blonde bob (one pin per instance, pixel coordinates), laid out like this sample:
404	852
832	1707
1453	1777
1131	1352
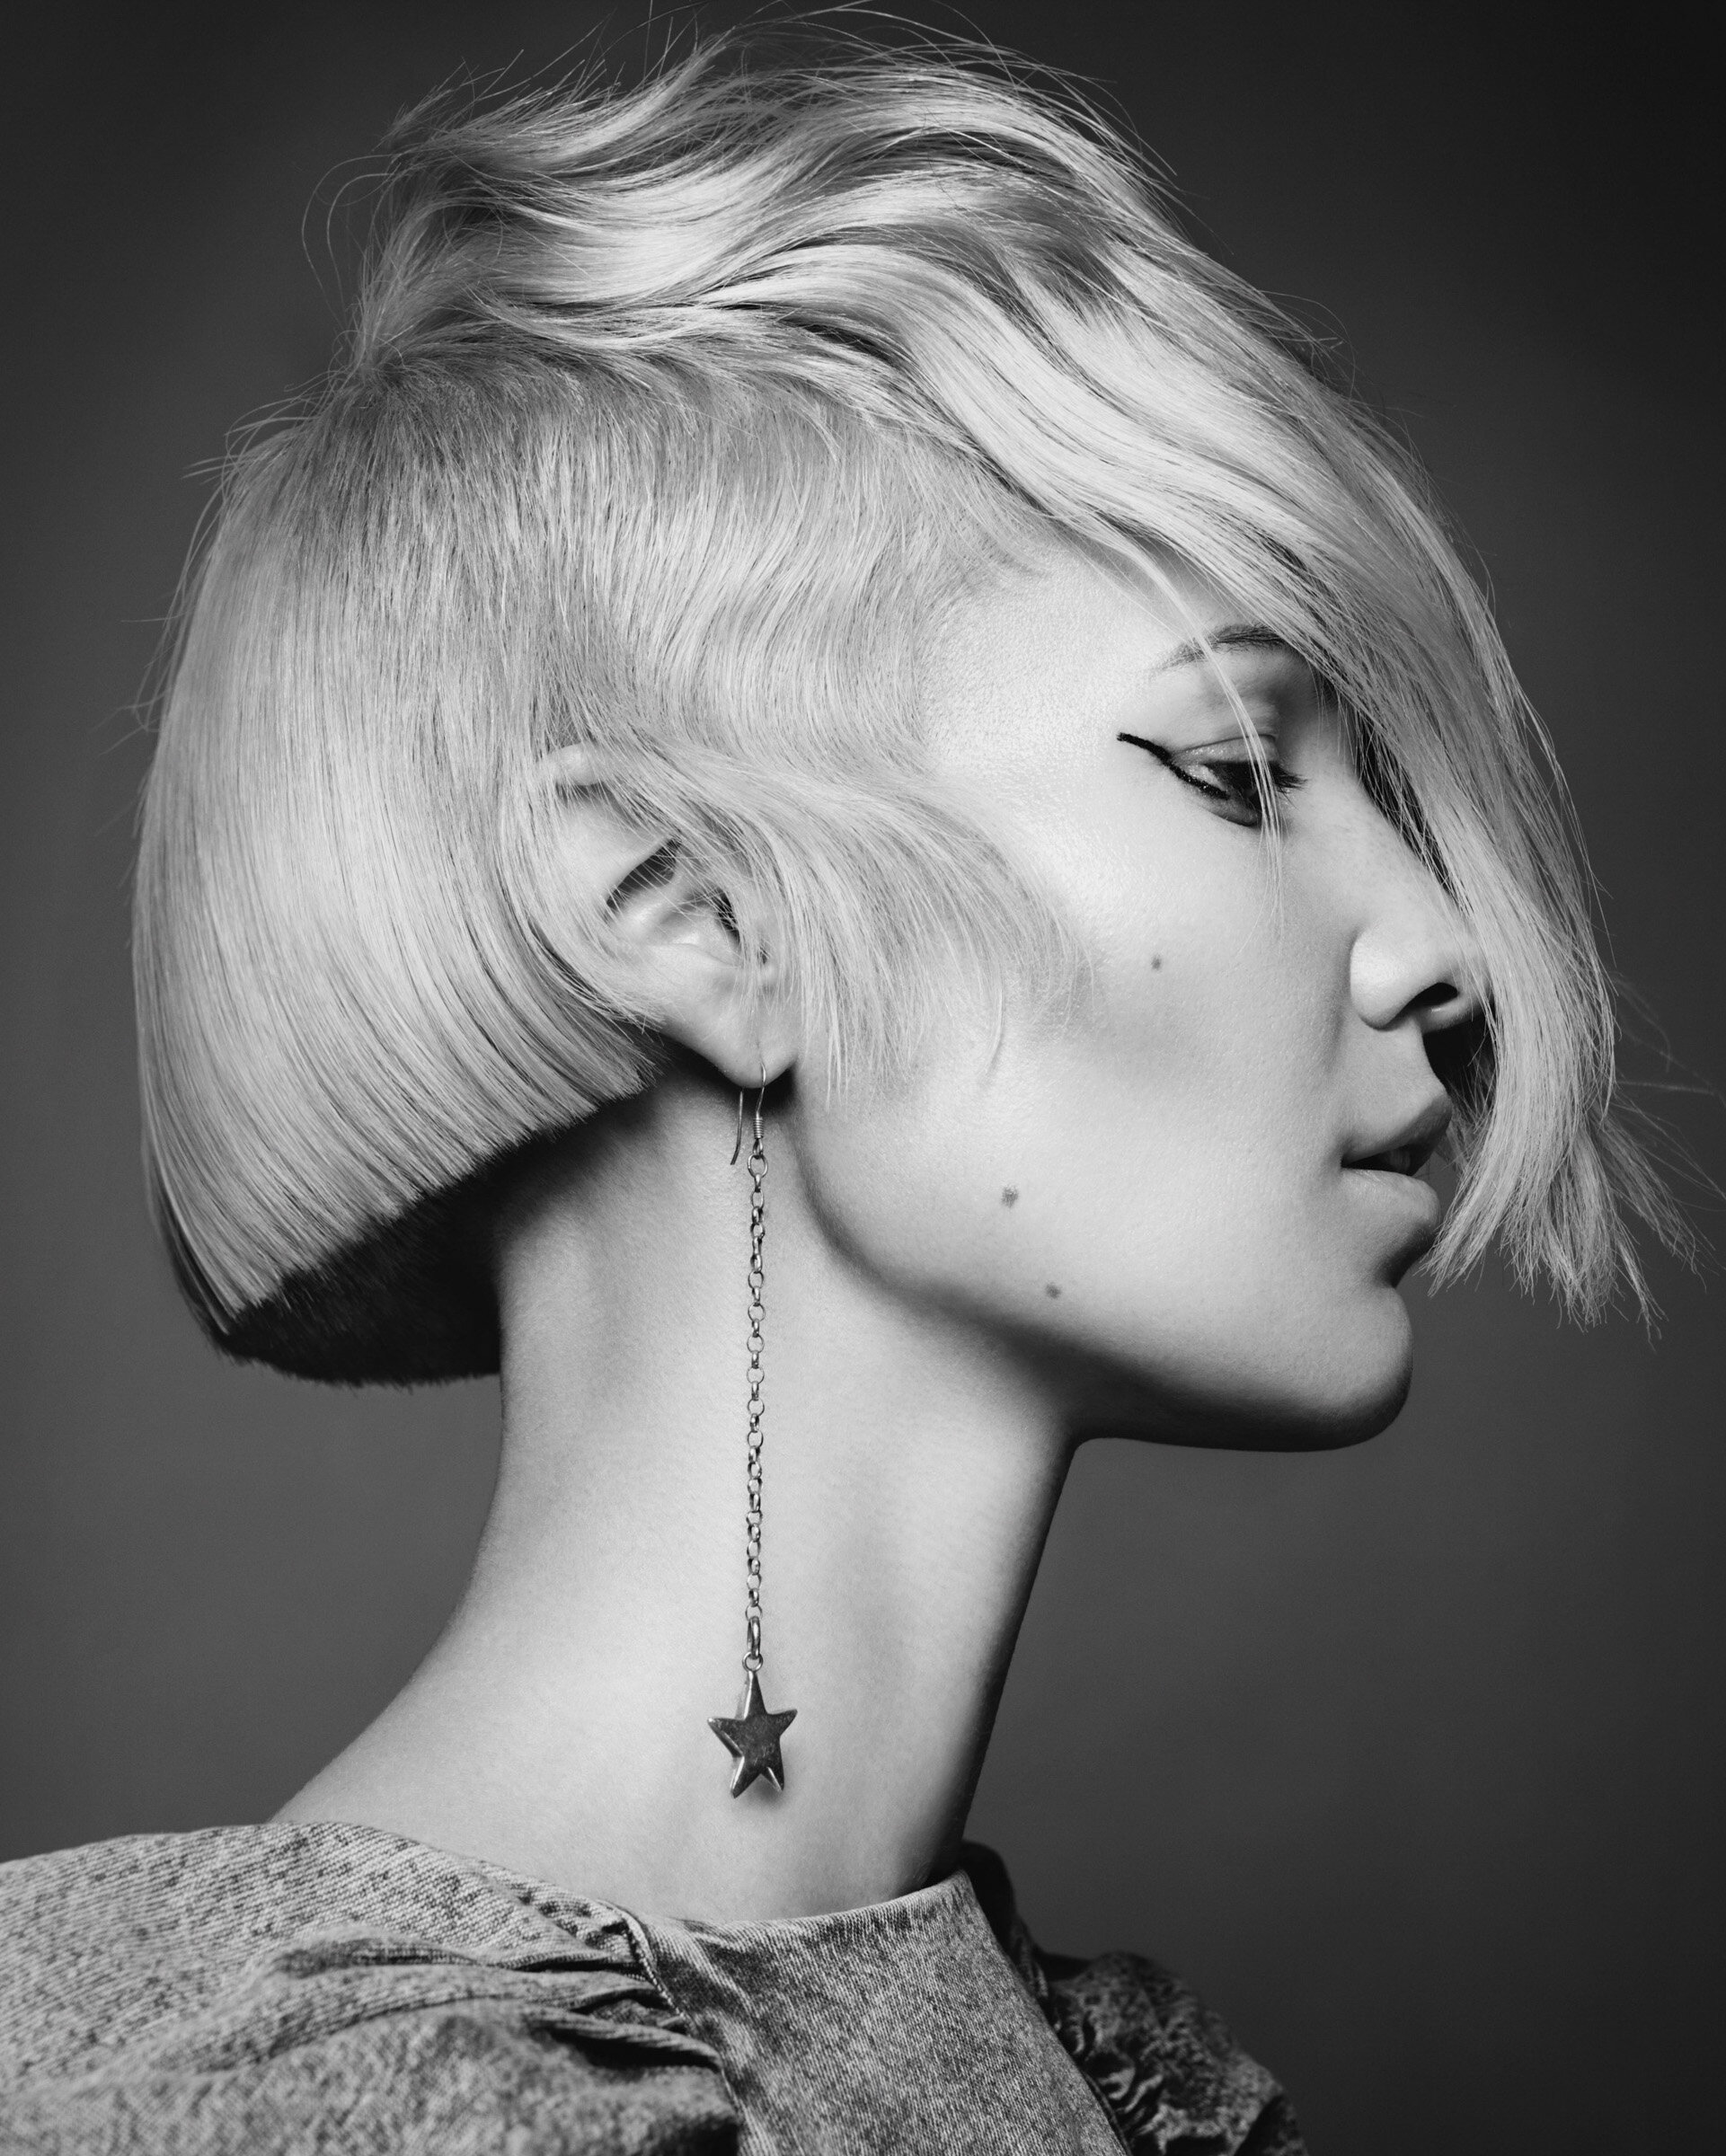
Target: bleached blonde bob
670	422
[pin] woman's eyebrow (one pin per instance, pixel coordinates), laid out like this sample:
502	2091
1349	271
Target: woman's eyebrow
1234	636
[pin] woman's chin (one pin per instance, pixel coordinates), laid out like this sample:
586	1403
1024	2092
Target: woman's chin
1351	1384
1364	1389
1334	1384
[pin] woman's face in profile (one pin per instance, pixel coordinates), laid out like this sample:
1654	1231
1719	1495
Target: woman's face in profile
1193	1196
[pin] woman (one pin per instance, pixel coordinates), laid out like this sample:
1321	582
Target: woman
828	806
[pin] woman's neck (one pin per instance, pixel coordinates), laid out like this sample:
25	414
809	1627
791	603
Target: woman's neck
559	1727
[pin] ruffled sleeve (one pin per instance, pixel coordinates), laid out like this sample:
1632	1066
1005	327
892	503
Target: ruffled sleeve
1173	2080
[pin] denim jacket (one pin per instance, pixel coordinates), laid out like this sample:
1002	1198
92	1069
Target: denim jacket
284	1988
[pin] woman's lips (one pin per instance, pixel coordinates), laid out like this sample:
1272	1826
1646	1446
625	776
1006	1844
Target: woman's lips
1403	1148
1418	1202
1396	1160
1392	1172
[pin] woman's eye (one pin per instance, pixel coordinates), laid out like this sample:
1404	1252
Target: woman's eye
1229	783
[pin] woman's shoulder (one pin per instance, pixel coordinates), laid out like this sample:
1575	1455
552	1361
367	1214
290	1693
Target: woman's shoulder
297	1985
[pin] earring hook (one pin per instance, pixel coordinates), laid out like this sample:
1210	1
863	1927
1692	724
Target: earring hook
760	1095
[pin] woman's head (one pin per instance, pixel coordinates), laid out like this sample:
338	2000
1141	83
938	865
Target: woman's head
683	440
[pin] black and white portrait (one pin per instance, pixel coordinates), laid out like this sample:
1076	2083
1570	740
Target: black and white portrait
863	1028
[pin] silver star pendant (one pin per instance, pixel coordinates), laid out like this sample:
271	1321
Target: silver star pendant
752	1738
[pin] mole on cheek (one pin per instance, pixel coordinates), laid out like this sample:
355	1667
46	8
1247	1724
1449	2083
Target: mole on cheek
1052	1292
1156	965
1009	1196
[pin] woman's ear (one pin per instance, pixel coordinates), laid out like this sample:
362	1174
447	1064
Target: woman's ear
673	933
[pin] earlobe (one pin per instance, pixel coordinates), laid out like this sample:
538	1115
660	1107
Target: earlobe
629	890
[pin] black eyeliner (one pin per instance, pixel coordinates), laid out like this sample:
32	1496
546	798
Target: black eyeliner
1282	781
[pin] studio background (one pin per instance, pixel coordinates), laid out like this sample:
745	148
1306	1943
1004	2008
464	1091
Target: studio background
1409	1756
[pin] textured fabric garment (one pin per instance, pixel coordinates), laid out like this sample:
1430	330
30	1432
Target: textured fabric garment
327	1988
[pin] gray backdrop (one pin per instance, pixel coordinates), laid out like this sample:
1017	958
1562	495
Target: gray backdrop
1409	1756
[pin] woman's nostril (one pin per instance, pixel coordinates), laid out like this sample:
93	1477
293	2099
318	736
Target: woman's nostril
1447	1003
1407	965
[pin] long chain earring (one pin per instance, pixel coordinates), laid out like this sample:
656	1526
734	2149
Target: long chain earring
752	1735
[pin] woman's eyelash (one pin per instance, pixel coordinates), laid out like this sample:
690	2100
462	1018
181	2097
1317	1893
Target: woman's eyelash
1230	782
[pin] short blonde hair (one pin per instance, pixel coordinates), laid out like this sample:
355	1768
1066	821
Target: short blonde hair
670	421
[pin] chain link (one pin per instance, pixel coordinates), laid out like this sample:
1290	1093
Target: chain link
757	1318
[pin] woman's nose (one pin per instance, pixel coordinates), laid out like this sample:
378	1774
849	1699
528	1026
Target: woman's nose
1414	957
